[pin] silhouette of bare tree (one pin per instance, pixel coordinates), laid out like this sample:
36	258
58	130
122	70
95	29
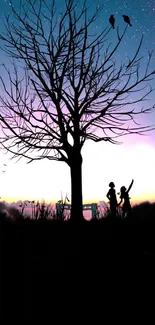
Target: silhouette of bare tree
71	86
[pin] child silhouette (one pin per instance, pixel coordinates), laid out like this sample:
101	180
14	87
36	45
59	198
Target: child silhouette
111	195
126	208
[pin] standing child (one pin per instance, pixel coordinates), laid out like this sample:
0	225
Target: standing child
111	195
126	208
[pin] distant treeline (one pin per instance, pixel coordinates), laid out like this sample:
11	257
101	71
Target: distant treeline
139	212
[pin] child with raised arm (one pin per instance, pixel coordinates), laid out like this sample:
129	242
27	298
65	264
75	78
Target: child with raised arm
111	195
125	196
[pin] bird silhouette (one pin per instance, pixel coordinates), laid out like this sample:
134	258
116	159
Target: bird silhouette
126	19
112	21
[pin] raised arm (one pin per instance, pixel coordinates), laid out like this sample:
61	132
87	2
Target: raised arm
130	185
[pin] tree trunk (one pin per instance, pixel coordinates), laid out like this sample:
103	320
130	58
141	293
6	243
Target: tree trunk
76	188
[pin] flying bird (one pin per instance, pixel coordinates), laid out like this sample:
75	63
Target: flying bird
112	21
126	19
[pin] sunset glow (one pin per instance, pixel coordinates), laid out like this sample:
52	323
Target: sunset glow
102	163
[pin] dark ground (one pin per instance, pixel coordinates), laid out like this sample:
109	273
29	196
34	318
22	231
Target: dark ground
37	255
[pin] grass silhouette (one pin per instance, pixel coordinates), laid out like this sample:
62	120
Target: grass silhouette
35	251
135	231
